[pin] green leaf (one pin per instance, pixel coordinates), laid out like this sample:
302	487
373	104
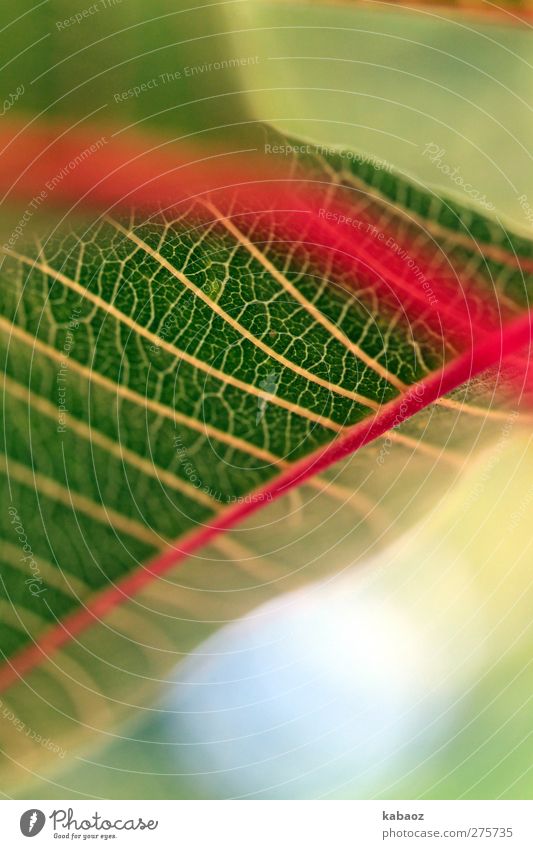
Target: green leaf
161	368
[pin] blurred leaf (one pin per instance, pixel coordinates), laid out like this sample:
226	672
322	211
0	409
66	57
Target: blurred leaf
394	81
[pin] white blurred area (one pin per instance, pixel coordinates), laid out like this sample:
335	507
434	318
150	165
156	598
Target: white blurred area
337	691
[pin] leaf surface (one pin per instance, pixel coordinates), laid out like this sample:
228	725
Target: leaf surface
168	372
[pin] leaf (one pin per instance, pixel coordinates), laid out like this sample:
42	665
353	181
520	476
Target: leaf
392	82
169	372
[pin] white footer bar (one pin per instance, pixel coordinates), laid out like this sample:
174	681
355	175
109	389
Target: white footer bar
269	824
